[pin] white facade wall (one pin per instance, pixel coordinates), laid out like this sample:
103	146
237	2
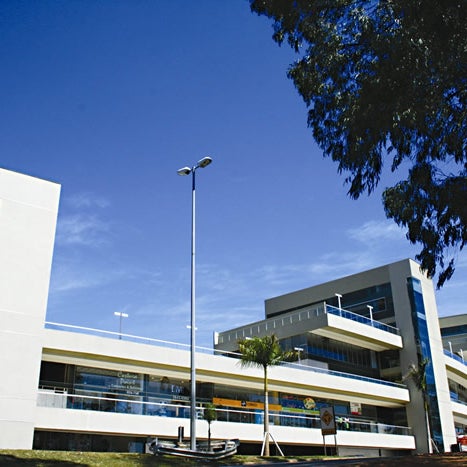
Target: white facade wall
399	272
28	214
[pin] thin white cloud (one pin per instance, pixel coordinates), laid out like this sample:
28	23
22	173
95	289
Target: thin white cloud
86	200
332	265
82	272
81	229
66	284
73	275
326	267
375	232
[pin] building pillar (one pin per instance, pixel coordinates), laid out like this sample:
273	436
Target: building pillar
28	215
405	315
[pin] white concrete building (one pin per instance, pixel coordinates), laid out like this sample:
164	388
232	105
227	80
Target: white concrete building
28	215
85	389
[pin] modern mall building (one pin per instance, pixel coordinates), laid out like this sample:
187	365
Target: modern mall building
355	338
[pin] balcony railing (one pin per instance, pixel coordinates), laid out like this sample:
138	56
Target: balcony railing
361	319
272	324
344	375
61	399
455	357
205	350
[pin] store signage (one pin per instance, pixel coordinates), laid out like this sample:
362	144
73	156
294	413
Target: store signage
328	422
128	382
355	408
309	403
178	397
247	404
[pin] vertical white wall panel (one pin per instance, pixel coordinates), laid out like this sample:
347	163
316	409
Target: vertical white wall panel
28	216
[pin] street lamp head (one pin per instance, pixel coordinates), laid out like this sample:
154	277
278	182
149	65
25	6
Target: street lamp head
204	162
184	171
121	314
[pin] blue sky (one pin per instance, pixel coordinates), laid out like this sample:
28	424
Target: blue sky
110	98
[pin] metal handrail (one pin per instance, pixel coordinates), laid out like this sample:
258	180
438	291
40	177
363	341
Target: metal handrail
454	356
361	319
271	324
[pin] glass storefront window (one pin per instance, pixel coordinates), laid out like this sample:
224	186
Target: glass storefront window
158	395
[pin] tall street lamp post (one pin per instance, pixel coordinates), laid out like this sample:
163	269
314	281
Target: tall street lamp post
121	315
205	161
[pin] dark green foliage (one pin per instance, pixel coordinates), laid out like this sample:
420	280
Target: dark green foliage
417	374
210	414
263	352
385	84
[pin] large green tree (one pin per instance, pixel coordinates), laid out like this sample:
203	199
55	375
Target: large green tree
385	83
263	352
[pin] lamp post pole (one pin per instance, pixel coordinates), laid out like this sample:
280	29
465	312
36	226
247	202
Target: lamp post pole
186	171
122	315
299	350
339	297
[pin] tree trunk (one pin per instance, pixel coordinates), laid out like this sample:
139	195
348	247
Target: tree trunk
209	436
266	413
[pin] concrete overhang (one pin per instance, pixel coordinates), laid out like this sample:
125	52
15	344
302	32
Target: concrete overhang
456	370
355	333
344	327
81	349
459	411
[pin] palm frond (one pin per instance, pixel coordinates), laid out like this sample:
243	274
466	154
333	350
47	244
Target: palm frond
262	352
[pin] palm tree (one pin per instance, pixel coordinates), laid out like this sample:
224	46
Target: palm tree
263	352
417	374
210	415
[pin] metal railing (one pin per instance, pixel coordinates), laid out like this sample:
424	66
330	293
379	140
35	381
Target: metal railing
272	324
332	310
60	398
455	356
455	398
132	338
341	374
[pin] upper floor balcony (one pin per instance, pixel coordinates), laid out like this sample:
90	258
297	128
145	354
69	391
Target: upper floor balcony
324	320
104	349
456	367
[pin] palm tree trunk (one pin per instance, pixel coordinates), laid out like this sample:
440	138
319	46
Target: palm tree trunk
209	436
431	443
266	413
428	430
